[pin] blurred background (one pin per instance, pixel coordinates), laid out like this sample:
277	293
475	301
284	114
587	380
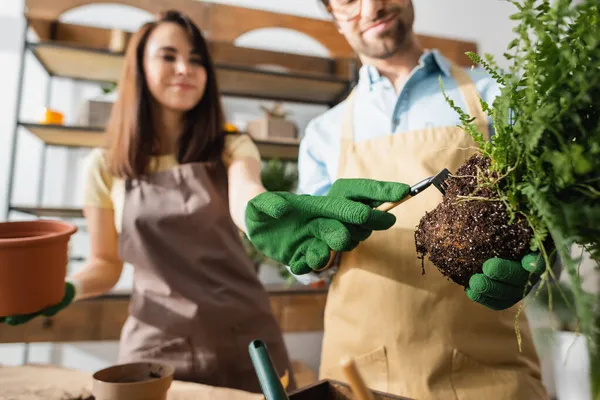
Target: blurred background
55	97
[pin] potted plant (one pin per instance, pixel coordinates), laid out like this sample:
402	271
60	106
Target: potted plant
33	264
536	185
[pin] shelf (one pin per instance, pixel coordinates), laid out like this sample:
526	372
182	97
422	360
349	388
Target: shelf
75	136
50	212
234	78
66	136
278	148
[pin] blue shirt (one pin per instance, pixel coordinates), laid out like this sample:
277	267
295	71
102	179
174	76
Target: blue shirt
380	111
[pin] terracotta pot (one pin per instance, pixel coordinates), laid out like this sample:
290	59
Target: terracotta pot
33	264
134	381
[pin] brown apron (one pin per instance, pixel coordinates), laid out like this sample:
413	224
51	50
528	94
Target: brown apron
197	302
418	335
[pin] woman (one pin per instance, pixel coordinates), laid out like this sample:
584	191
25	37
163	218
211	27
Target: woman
160	197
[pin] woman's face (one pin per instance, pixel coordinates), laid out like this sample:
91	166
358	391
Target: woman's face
174	72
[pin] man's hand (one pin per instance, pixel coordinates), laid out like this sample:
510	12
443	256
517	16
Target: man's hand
504	283
47	312
368	191
301	230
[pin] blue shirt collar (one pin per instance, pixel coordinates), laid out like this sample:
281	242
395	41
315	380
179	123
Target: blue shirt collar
432	60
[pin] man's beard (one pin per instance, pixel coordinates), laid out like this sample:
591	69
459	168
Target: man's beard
388	43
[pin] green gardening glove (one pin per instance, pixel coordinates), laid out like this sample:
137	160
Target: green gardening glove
47	312
504	283
368	191
301	230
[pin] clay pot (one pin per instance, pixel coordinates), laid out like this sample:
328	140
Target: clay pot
33	264
134	381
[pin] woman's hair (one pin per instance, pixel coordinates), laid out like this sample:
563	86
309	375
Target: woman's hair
132	139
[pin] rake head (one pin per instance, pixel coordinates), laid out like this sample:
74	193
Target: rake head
440	181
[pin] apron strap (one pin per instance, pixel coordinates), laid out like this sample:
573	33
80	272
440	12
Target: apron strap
466	86
348	121
471	97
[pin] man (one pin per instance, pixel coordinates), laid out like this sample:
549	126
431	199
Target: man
412	334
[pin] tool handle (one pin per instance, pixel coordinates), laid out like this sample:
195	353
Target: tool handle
392	204
265	371
387	206
355	380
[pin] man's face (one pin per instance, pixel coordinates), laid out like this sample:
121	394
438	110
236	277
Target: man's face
382	28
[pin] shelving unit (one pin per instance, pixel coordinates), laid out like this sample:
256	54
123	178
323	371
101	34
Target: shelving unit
81	53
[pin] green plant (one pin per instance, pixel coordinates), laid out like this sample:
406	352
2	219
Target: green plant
545	154
563	296
108	88
277	175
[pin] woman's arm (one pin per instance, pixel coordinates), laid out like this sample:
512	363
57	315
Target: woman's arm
244	184
103	268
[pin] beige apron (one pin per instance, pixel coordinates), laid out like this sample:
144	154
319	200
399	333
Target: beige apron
197	302
413	334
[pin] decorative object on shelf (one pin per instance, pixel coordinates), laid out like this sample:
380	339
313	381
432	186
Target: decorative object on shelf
109	88
134	381
95	112
230	127
276	112
118	39
52	117
33	264
273	124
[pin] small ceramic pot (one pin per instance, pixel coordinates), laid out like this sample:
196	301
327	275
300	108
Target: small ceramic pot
134	381
33	264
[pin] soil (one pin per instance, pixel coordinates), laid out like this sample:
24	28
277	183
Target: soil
459	235
133	379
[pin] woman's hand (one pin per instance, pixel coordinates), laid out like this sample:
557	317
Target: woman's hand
100	273
47	312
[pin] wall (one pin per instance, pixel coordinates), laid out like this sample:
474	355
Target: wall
483	21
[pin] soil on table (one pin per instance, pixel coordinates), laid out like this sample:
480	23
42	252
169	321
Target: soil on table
459	235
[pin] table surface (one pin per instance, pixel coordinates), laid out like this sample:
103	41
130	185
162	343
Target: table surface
272	290
47	382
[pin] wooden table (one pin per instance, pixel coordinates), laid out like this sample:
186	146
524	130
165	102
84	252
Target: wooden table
46	382
297	309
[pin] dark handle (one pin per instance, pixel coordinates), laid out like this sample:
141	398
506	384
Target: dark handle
265	371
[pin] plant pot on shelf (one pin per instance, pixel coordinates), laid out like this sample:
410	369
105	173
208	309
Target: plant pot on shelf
272	128
133	381
33	264
273	125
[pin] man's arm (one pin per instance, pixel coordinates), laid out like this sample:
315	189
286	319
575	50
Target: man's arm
313	179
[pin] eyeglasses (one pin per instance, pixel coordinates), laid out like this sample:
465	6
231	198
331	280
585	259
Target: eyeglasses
347	10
